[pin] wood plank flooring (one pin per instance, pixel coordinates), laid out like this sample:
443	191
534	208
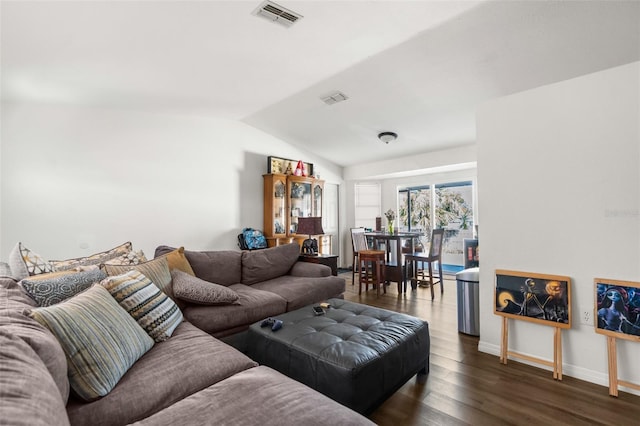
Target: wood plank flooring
467	387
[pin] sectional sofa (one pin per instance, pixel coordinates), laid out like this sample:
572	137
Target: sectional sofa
268	282
184	375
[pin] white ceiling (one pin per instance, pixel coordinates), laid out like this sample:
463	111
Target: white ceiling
418	68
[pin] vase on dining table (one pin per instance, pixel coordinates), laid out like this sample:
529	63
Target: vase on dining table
390	226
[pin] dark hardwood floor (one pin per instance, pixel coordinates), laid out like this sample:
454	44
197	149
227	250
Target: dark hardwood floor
467	387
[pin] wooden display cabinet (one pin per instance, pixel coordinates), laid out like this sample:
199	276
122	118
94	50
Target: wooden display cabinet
286	198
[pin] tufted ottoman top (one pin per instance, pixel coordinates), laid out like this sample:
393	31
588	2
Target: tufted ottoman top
353	349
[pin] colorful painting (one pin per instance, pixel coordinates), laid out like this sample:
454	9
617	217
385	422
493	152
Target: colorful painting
534	297
617	308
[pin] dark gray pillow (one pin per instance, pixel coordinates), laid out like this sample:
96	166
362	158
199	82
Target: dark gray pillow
192	289
263	265
47	292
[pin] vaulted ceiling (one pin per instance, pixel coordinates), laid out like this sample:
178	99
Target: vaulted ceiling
417	68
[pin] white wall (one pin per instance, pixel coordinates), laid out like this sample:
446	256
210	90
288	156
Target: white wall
461	157
98	177
559	193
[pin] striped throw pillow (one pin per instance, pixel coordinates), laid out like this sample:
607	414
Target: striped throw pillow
100	340
157	270
156	313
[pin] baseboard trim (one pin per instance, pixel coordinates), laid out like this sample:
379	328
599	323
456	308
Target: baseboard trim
576	372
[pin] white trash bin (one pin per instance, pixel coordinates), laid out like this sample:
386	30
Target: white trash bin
469	301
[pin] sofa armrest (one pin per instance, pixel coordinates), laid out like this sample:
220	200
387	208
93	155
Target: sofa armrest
306	269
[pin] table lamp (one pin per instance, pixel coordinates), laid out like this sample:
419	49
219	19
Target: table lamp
310	226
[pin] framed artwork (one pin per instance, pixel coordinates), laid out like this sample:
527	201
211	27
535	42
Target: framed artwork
617	308
286	167
541	298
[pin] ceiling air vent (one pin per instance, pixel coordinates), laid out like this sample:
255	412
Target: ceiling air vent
334	98
276	13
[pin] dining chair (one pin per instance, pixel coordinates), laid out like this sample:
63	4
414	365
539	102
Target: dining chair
359	243
419	275
371	270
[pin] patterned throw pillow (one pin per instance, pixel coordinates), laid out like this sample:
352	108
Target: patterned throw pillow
99	338
192	289
94	259
131	258
59	287
157	270
23	263
155	312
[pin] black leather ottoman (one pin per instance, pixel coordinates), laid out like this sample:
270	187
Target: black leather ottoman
355	354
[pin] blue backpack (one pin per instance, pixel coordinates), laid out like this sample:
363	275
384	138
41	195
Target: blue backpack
252	239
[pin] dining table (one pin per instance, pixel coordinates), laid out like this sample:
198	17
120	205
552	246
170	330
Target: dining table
394	262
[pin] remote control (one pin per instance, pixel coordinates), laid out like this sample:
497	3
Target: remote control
275	324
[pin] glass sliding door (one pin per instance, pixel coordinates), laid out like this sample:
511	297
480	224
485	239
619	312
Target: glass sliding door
414	210
454	213
448	206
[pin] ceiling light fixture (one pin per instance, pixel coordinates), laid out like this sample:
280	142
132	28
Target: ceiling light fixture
387	137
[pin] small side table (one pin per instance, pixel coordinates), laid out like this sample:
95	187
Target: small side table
331	260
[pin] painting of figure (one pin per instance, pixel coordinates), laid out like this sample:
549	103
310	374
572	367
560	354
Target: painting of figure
533	297
617	308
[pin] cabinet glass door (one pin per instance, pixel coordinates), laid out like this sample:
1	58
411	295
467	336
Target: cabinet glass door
317	200
279	219
300	199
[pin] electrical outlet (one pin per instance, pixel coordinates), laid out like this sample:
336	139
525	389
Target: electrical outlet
586	317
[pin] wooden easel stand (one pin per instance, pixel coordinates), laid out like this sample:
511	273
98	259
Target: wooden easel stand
614	382
505	353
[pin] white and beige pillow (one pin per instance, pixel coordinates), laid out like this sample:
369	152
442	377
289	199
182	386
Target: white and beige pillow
94	259
100	340
131	258
154	311
24	263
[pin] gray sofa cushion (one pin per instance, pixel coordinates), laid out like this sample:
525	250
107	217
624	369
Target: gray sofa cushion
303	291
28	394
253	306
220	267
189	361
308	269
262	265
260	396
13	302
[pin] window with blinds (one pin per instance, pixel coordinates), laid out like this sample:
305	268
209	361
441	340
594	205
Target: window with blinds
368	204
